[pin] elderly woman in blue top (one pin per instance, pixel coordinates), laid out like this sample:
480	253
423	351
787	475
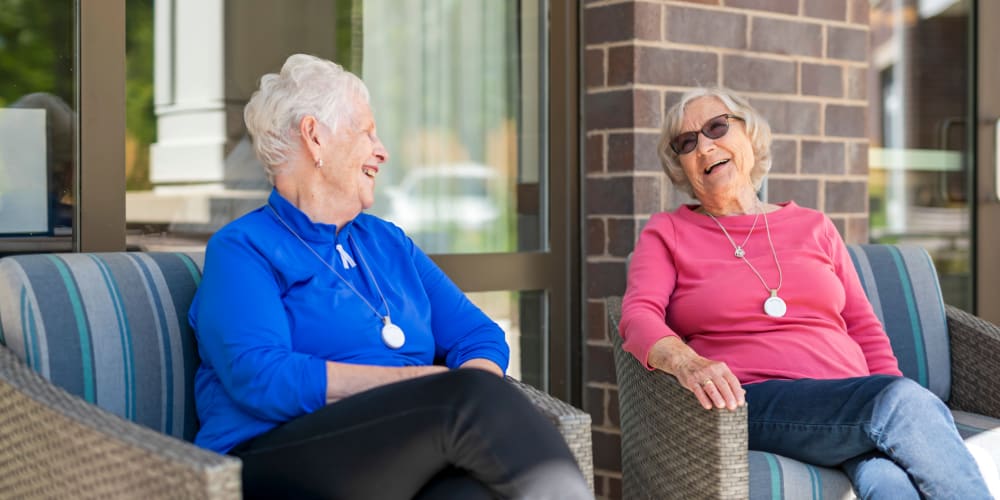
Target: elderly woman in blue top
318	327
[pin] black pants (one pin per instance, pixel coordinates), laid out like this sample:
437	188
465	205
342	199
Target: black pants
462	434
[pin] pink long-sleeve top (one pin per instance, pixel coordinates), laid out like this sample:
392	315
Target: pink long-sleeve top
684	280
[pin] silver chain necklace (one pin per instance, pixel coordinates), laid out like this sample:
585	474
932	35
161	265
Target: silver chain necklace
774	305
392	335
739	251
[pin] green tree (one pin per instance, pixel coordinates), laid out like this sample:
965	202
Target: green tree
37	49
140	118
37	54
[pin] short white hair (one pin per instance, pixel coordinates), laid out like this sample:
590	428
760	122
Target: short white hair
757	129
306	85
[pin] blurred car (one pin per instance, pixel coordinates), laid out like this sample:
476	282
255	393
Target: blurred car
465	195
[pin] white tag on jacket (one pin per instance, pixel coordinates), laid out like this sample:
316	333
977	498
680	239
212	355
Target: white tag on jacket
345	258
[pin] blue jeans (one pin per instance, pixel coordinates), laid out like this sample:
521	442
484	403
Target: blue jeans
893	438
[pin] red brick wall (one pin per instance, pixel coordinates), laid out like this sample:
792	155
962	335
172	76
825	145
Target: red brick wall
802	63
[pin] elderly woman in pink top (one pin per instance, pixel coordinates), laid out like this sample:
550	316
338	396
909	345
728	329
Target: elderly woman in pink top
748	301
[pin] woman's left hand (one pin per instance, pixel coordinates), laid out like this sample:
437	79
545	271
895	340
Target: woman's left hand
712	382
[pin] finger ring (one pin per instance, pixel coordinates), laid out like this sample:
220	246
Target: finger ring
706	382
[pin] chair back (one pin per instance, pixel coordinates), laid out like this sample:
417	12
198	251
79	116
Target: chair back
110	328
902	286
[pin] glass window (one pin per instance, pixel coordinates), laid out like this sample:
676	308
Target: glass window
523	315
450	81
38	123
456	86
459	91
920	156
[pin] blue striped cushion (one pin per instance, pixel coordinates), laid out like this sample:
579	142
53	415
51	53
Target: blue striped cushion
110	328
774	476
903	288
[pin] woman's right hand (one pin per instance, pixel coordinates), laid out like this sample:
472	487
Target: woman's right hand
712	382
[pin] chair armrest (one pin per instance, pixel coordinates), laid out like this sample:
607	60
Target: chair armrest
975	363
573	424
55	445
671	446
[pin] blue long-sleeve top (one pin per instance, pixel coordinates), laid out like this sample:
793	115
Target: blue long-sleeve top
269	314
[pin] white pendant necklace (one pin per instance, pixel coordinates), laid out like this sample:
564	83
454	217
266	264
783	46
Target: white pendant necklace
392	335
774	305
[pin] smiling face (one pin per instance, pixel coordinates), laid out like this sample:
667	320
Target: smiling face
353	156
718	169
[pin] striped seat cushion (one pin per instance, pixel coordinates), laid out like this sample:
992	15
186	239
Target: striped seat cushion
903	287
110	328
774	476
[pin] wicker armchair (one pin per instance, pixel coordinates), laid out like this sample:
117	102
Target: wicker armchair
96	381
673	448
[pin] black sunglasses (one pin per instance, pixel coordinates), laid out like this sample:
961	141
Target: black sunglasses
713	129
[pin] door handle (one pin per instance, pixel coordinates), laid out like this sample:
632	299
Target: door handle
996	159
946	177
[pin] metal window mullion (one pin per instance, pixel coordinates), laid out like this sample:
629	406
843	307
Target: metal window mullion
499	271
99	180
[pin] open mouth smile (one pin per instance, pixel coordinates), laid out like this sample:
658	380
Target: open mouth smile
710	168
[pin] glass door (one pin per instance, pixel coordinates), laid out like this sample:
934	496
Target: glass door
933	130
987	180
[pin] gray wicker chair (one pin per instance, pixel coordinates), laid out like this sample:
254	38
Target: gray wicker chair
96	381
673	448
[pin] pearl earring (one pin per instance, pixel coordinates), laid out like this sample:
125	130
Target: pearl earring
319	163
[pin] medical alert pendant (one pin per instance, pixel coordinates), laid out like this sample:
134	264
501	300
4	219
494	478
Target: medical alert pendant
775	306
392	335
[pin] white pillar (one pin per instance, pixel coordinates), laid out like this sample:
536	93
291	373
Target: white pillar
209	56
189	98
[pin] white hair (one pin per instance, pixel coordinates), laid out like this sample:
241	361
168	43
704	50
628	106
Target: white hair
757	129
306	85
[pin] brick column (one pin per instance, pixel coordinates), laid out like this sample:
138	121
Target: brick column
802	63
